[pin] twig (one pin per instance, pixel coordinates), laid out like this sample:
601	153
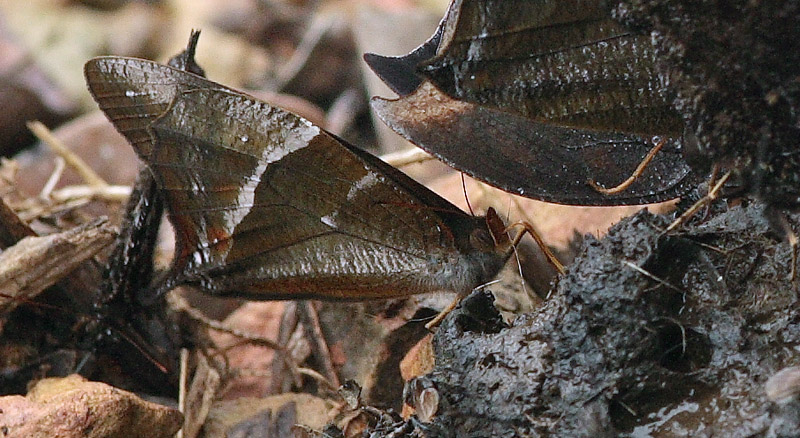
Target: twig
47	137
712	195
317	376
310	320
651	276
184	376
55	176
179	303
104	193
406	157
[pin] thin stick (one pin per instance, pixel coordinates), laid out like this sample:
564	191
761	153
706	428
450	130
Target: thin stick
104	193
406	157
628	408
317	376
47	137
651	276
182	381
70	197
55	176
279	365
636	173
308	316
712	195
179	303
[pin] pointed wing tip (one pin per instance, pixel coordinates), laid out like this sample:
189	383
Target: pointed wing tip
91	70
377	63
369	58
395	72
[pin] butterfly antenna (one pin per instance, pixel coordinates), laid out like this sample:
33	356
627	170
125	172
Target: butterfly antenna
466	197
519	270
514	246
121	332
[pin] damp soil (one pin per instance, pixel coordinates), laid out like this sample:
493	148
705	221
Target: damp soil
646	335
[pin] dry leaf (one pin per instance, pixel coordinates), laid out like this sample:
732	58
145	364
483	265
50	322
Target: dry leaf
226	416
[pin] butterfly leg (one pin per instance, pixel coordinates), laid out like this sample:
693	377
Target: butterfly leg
636	173
432	324
529	229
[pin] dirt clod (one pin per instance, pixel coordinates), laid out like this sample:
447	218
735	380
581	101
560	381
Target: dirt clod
647	335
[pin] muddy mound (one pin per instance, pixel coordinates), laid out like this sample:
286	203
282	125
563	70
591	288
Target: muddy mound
647	335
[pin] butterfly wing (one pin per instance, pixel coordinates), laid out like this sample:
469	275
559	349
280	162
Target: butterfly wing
400	72
268	205
539	98
532	159
566	63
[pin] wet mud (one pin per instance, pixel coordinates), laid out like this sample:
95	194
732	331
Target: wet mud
647	335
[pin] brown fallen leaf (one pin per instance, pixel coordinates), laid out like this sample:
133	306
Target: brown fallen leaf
256	318
419	360
73	407
233	417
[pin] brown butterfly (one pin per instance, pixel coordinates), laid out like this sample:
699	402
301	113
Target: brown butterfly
266	205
